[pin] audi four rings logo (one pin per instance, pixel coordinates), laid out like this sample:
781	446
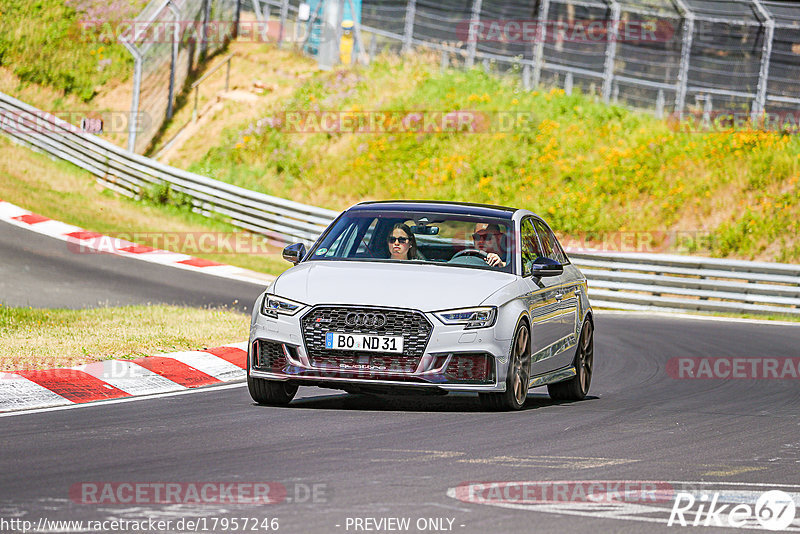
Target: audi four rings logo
365	319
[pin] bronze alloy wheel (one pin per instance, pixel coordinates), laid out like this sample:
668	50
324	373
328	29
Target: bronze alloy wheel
518	377
577	387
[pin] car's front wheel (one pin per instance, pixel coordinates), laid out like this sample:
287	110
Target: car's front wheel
577	387
270	392
518	376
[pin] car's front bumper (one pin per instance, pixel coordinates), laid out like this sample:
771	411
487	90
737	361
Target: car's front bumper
453	360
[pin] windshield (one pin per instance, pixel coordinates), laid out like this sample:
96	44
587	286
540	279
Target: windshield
441	238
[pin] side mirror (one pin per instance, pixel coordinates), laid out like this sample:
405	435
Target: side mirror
546	267
294	253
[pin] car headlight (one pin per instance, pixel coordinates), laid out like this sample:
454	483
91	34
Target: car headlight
273	305
469	317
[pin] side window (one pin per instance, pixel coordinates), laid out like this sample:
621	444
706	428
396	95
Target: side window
344	242
366	247
552	249
559	251
530	245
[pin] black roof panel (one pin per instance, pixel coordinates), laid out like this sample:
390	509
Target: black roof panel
440	206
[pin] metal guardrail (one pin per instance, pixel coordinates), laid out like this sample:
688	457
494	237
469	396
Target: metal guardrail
616	280
130	174
688	283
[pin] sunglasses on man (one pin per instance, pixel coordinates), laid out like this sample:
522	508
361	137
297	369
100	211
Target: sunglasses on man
485	236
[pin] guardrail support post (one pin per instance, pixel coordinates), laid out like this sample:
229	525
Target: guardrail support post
228	74
408	30
472	34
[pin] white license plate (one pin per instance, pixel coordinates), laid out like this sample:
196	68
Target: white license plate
363	342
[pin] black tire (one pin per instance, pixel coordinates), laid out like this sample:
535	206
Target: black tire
518	376
577	387
271	392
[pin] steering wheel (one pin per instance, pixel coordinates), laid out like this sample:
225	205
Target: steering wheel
470	252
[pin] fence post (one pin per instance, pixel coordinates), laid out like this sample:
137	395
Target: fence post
541	35
760	102
137	86
568	82
686	51
257	10
474	19
526	77
611	50
373	48
204	36
408	30
238	17
174	60
660	104
284	16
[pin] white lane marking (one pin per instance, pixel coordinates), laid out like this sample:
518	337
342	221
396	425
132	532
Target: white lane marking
241	345
54	227
556	462
19	393
209	364
8	210
129	377
123	400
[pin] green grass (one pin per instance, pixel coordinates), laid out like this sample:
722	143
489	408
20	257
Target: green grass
43	42
590	169
49	338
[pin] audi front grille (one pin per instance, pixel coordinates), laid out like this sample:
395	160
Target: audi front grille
412	325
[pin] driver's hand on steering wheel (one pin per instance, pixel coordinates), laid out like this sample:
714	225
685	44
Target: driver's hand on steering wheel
494	260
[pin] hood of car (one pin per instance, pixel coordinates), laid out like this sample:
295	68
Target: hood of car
402	285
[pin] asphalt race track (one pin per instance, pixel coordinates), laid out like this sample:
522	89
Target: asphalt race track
346	461
40	271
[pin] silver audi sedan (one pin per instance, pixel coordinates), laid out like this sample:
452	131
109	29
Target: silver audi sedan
426	297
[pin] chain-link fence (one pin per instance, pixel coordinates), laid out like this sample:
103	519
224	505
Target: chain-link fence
737	57
168	40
